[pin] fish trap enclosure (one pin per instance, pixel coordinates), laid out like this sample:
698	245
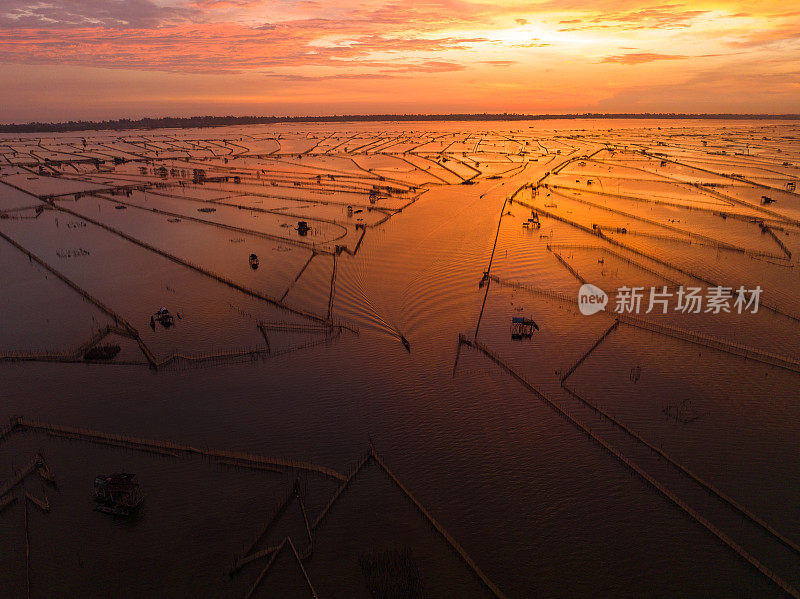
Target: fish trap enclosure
300	295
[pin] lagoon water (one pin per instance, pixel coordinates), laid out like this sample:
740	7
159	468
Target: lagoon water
553	489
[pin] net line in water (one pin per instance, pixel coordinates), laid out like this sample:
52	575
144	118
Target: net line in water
724	537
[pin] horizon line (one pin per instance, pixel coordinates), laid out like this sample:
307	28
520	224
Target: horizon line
228	120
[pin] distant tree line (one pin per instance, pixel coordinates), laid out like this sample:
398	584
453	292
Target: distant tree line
226	121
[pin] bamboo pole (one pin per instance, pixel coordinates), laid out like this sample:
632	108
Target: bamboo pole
224	280
731	347
147	444
727	540
117	318
441	530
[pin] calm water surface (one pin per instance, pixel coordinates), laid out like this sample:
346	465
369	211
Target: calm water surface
542	508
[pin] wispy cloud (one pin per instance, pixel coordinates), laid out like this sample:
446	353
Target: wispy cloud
472	49
336	77
121	14
194	48
641	57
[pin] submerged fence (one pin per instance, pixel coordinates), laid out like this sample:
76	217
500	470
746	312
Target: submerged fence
716	531
142	444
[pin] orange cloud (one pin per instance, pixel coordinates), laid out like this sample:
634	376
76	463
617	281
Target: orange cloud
453	50
208	48
640	57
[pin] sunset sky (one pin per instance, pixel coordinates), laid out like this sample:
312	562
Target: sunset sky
97	59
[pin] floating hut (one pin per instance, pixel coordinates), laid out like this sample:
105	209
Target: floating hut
163	317
533	222
523	328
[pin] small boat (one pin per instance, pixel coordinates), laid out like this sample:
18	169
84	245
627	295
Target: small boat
117	494
253	261
405	343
